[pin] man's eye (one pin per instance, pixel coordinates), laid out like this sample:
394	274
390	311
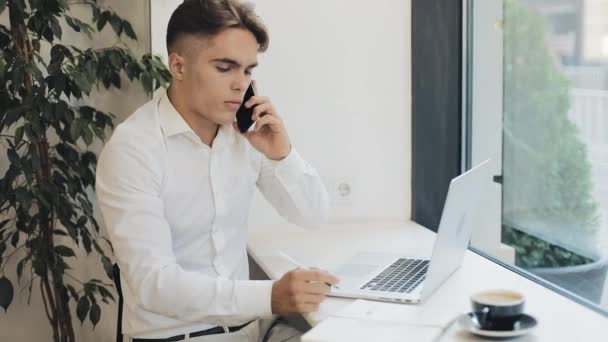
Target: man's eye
222	69
248	72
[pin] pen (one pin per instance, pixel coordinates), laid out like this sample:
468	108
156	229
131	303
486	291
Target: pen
300	265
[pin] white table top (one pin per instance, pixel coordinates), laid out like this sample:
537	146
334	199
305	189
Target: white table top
560	319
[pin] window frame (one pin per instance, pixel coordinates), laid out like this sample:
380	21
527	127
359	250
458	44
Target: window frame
442	116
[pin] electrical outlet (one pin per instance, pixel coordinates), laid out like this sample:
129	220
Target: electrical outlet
342	191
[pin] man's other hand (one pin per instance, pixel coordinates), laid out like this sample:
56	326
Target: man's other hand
301	291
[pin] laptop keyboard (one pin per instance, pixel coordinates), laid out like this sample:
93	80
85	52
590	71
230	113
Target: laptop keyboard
402	276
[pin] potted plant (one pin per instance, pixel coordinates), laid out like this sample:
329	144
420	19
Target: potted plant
46	129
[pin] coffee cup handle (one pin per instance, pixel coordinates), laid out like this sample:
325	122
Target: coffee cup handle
484	316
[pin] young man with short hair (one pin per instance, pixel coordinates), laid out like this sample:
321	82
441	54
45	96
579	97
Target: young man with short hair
175	184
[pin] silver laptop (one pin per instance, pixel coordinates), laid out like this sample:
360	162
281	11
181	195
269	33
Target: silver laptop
412	279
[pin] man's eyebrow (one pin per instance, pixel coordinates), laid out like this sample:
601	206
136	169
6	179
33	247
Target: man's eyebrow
233	62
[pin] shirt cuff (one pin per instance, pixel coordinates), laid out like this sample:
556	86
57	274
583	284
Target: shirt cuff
253	297
290	168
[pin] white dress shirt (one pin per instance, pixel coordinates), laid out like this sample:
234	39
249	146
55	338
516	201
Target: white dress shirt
176	213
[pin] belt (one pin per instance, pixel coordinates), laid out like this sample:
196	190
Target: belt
210	331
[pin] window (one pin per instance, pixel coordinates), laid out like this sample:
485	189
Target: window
537	84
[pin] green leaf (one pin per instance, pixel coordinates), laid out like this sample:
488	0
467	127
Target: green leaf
72	292
97	248
129	30
64	251
89	289
104	292
18	135
72	23
15	239
82	308
90	67
58	83
116	24
11	115
86	242
68	154
95	12
55	27
58	53
60	232
20	265
35	44
6	293
107	266
87	136
4	223
102	20
35	4
24	197
95	314
13	157
114	57
82	82
39	266
146	81
76	129
2	66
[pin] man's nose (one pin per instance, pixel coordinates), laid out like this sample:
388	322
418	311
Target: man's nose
241	83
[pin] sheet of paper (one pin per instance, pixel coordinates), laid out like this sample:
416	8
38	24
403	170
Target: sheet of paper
356	330
397	313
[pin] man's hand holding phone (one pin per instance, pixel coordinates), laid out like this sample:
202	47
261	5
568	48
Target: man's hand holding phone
269	135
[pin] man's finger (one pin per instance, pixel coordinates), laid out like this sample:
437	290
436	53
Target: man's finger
308	298
256	100
262	108
306	308
266	120
321	276
315	288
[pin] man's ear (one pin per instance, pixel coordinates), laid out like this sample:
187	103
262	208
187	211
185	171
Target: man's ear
176	66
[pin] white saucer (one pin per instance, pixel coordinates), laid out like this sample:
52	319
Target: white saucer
522	327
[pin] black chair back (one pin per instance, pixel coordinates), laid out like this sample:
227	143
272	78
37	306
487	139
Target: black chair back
116	278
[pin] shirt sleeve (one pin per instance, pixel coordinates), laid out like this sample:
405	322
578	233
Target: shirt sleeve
128	186
295	189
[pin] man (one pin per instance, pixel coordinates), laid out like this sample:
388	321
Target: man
175	184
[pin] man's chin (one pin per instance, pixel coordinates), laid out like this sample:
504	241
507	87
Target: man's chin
226	119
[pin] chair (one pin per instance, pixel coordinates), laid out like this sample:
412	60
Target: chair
116	278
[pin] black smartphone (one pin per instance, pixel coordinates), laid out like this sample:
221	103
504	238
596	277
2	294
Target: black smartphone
243	115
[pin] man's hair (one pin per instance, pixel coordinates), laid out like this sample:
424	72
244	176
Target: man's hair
206	18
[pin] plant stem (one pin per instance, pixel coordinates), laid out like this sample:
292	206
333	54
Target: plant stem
47	297
60	317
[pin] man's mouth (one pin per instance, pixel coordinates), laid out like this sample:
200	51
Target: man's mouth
233	104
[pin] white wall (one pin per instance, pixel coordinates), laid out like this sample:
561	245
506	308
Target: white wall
339	73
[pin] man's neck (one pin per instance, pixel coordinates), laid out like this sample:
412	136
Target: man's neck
205	129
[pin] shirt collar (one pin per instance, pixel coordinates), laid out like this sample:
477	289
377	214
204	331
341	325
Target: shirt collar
172	123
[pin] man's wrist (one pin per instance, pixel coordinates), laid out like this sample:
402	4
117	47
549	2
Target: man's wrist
280	156
273	302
